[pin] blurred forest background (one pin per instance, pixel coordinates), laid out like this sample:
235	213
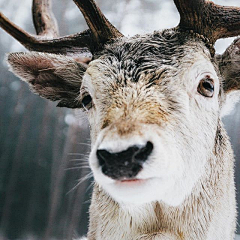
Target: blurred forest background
43	148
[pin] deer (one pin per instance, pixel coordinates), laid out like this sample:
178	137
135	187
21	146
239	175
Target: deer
162	161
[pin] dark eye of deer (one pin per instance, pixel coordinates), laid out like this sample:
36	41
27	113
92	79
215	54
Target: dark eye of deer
206	87
87	102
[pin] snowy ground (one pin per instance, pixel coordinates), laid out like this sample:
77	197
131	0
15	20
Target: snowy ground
237	237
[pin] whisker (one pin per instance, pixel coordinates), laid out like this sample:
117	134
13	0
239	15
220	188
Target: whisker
86	144
86	177
82	158
90	186
78	160
87	201
79	167
80	163
78	154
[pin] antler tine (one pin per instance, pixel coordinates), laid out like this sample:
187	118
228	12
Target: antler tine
101	28
189	12
44	22
43	18
19	34
68	44
226	20
209	19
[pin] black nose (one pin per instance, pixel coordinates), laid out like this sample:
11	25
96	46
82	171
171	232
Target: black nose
125	164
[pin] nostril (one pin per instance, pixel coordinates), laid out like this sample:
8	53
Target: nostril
125	158
127	163
102	156
144	152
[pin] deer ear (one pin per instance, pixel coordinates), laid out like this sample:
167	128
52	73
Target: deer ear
55	77
229	65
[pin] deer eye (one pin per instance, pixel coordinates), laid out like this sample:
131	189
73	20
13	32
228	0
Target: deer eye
206	87
87	102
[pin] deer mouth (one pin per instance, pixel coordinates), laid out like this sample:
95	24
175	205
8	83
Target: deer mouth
131	182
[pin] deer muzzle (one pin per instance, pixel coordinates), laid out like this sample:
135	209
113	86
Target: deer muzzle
125	164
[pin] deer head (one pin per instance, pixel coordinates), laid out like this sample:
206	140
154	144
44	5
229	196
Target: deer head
154	101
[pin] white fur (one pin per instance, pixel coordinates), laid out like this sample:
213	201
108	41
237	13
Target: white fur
185	189
168	176
175	172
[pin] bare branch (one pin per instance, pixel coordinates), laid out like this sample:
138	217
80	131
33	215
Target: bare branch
101	28
43	18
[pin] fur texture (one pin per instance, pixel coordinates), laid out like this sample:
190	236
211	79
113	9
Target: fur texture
146	89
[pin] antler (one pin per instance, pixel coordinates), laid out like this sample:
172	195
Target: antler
101	30
209	19
43	18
